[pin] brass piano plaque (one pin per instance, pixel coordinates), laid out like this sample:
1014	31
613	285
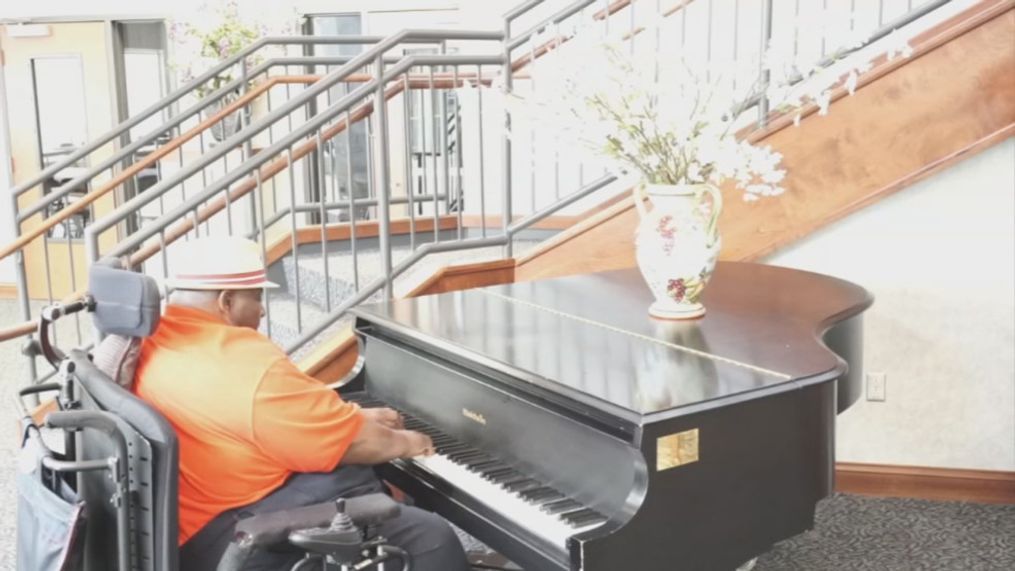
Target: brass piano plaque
676	449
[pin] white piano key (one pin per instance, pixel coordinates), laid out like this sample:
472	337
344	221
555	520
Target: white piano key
507	503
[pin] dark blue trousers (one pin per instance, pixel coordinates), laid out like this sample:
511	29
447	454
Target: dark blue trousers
426	536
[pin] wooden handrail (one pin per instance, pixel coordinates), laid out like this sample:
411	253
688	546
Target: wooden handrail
18	330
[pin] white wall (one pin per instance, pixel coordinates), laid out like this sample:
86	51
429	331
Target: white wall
939	258
6	225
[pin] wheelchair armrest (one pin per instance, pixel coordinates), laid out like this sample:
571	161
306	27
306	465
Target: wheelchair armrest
371	509
272	528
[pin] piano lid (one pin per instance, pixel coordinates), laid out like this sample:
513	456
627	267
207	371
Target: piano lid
591	335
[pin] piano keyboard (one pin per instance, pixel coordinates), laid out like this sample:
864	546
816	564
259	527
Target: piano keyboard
529	503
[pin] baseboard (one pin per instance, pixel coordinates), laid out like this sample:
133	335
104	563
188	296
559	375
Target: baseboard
945	484
8	291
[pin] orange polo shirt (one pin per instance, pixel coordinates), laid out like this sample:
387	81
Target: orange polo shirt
245	416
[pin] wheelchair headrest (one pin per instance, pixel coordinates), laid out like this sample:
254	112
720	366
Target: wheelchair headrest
126	302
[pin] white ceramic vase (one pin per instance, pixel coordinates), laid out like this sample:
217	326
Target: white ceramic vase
676	245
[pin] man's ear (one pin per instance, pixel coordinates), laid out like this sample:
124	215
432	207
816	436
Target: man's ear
225	301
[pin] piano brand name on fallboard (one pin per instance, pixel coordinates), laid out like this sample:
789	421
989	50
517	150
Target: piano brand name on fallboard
474	416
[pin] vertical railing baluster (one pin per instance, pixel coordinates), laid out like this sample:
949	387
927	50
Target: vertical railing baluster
532	127
444	140
288	97
295	244
424	181
433	141
556	148
736	41
371	191
766	35
482	162
73	284
229	202
248	148
323	195
21	275
195	222
708	44
163	255
49	274
259	191
383	190
271	128
407	143
458	152
352	202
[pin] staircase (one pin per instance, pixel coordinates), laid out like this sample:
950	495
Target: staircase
286	178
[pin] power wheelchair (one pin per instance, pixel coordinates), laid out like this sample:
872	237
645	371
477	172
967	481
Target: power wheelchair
120	456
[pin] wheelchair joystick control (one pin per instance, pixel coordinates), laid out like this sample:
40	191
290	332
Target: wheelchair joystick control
341	541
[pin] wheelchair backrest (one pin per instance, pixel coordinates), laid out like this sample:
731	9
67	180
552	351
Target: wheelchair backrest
126	304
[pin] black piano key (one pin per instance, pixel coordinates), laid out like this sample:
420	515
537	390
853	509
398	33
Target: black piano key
484	465
581	517
501	478
451	448
495	472
519	478
561	506
553	496
522	485
536	494
459	457
588	519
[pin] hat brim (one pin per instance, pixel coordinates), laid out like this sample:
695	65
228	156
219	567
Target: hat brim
204	286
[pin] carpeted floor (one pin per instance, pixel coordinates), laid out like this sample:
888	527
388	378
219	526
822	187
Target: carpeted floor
884	534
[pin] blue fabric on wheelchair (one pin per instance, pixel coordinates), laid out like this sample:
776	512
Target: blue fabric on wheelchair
49	522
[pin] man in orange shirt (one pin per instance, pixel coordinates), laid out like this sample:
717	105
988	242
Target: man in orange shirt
256	434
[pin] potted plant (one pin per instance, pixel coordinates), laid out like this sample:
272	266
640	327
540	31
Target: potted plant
214	33
673	128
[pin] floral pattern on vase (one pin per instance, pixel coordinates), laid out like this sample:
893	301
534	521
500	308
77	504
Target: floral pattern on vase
677	244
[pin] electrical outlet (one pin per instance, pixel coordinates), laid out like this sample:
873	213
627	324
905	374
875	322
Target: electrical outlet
876	386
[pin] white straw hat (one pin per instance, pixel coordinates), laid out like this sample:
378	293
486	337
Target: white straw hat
218	263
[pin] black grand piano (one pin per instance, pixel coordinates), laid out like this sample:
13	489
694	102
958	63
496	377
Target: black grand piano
576	432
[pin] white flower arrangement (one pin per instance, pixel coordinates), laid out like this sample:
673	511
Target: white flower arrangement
668	120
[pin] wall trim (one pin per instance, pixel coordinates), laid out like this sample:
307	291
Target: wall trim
925	483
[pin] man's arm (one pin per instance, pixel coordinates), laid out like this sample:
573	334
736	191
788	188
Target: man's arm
376	443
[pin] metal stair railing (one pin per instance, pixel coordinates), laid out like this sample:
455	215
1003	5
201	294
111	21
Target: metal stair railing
368	104
123	157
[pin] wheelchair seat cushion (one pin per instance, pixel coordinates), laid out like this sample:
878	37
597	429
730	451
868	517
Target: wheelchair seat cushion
117	356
